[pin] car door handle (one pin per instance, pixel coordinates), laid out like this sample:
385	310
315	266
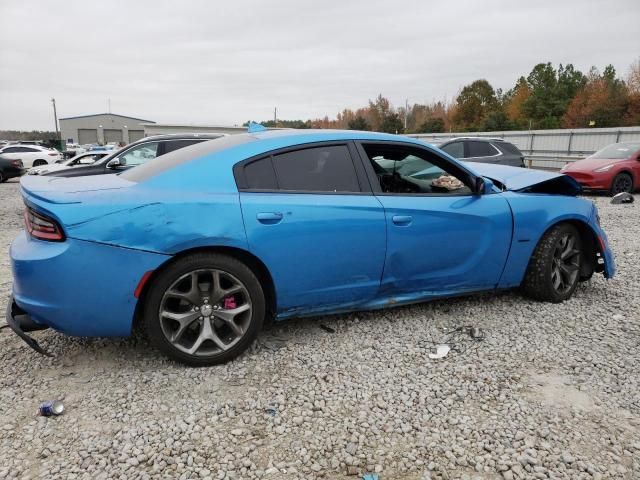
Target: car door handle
402	219
269	218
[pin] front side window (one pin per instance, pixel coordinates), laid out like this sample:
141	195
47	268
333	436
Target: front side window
318	169
139	154
455	149
407	170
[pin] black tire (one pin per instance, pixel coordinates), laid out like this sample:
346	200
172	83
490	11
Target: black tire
39	162
622	182
199	264
543	271
2	178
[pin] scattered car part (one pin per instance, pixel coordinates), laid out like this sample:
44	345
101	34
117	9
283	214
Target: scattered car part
622	197
441	351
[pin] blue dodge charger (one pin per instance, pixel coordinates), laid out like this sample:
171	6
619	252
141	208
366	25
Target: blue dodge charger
204	244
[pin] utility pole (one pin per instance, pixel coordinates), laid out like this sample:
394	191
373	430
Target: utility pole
275	116
406	114
109	104
55	119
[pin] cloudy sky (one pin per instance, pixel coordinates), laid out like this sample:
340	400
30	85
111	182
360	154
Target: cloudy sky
207	62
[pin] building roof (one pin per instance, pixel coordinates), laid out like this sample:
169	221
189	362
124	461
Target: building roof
107	113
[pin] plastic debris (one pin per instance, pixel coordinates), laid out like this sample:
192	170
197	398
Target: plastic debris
370	476
622	197
441	351
328	329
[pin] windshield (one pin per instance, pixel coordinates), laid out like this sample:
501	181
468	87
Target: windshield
617	151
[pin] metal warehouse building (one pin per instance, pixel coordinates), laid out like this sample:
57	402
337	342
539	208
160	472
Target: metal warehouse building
102	128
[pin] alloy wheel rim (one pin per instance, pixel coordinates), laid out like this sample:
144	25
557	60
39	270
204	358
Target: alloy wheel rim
205	312
566	264
622	184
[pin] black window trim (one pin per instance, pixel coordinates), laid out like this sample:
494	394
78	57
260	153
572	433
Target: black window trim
361	176
458	170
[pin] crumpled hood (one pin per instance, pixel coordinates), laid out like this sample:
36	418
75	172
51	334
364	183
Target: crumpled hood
519	179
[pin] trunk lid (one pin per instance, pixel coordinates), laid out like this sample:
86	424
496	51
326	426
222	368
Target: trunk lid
518	179
68	190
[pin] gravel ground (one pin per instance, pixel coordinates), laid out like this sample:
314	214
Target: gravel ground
552	392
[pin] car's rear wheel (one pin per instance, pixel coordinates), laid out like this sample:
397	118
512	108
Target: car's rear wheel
37	163
554	269
204	309
2	178
622	182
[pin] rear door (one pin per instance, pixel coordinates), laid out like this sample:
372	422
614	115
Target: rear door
311	217
441	237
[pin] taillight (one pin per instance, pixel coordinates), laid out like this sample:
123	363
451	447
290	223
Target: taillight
42	227
17	163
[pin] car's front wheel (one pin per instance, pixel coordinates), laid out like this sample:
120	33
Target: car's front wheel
204	309
554	268
622	182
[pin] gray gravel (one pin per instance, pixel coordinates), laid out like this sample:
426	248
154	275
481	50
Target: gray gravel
552	392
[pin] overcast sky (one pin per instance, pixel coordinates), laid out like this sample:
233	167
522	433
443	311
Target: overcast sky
222	63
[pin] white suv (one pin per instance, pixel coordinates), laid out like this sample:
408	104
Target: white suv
31	155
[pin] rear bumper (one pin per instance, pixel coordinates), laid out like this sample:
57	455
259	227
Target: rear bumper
13	172
77	287
21	323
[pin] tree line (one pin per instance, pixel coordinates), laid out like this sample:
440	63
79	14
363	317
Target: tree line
546	98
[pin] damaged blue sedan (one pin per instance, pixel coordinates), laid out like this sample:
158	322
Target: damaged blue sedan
205	244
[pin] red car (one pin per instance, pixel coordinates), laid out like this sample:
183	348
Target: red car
615	168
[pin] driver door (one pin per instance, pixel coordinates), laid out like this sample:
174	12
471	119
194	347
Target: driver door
440	239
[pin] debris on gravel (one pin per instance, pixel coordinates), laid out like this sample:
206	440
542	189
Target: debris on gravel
552	391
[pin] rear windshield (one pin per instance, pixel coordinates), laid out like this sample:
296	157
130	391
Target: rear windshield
183	155
617	151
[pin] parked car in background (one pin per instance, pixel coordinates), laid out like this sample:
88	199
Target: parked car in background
84	159
483	150
206	243
10	168
31	155
615	168
72	150
134	154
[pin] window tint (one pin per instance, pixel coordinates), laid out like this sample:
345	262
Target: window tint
172	145
480	149
11	150
455	149
318	169
30	150
139	154
260	175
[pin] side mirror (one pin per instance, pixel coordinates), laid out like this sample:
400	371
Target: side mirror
483	186
115	163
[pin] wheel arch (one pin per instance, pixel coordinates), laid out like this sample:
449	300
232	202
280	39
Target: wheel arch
256	265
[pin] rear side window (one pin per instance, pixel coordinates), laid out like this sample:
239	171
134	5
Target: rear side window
510	148
480	149
260	175
318	169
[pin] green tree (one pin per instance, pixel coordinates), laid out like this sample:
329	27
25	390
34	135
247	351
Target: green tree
474	103
391	123
431	125
359	123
